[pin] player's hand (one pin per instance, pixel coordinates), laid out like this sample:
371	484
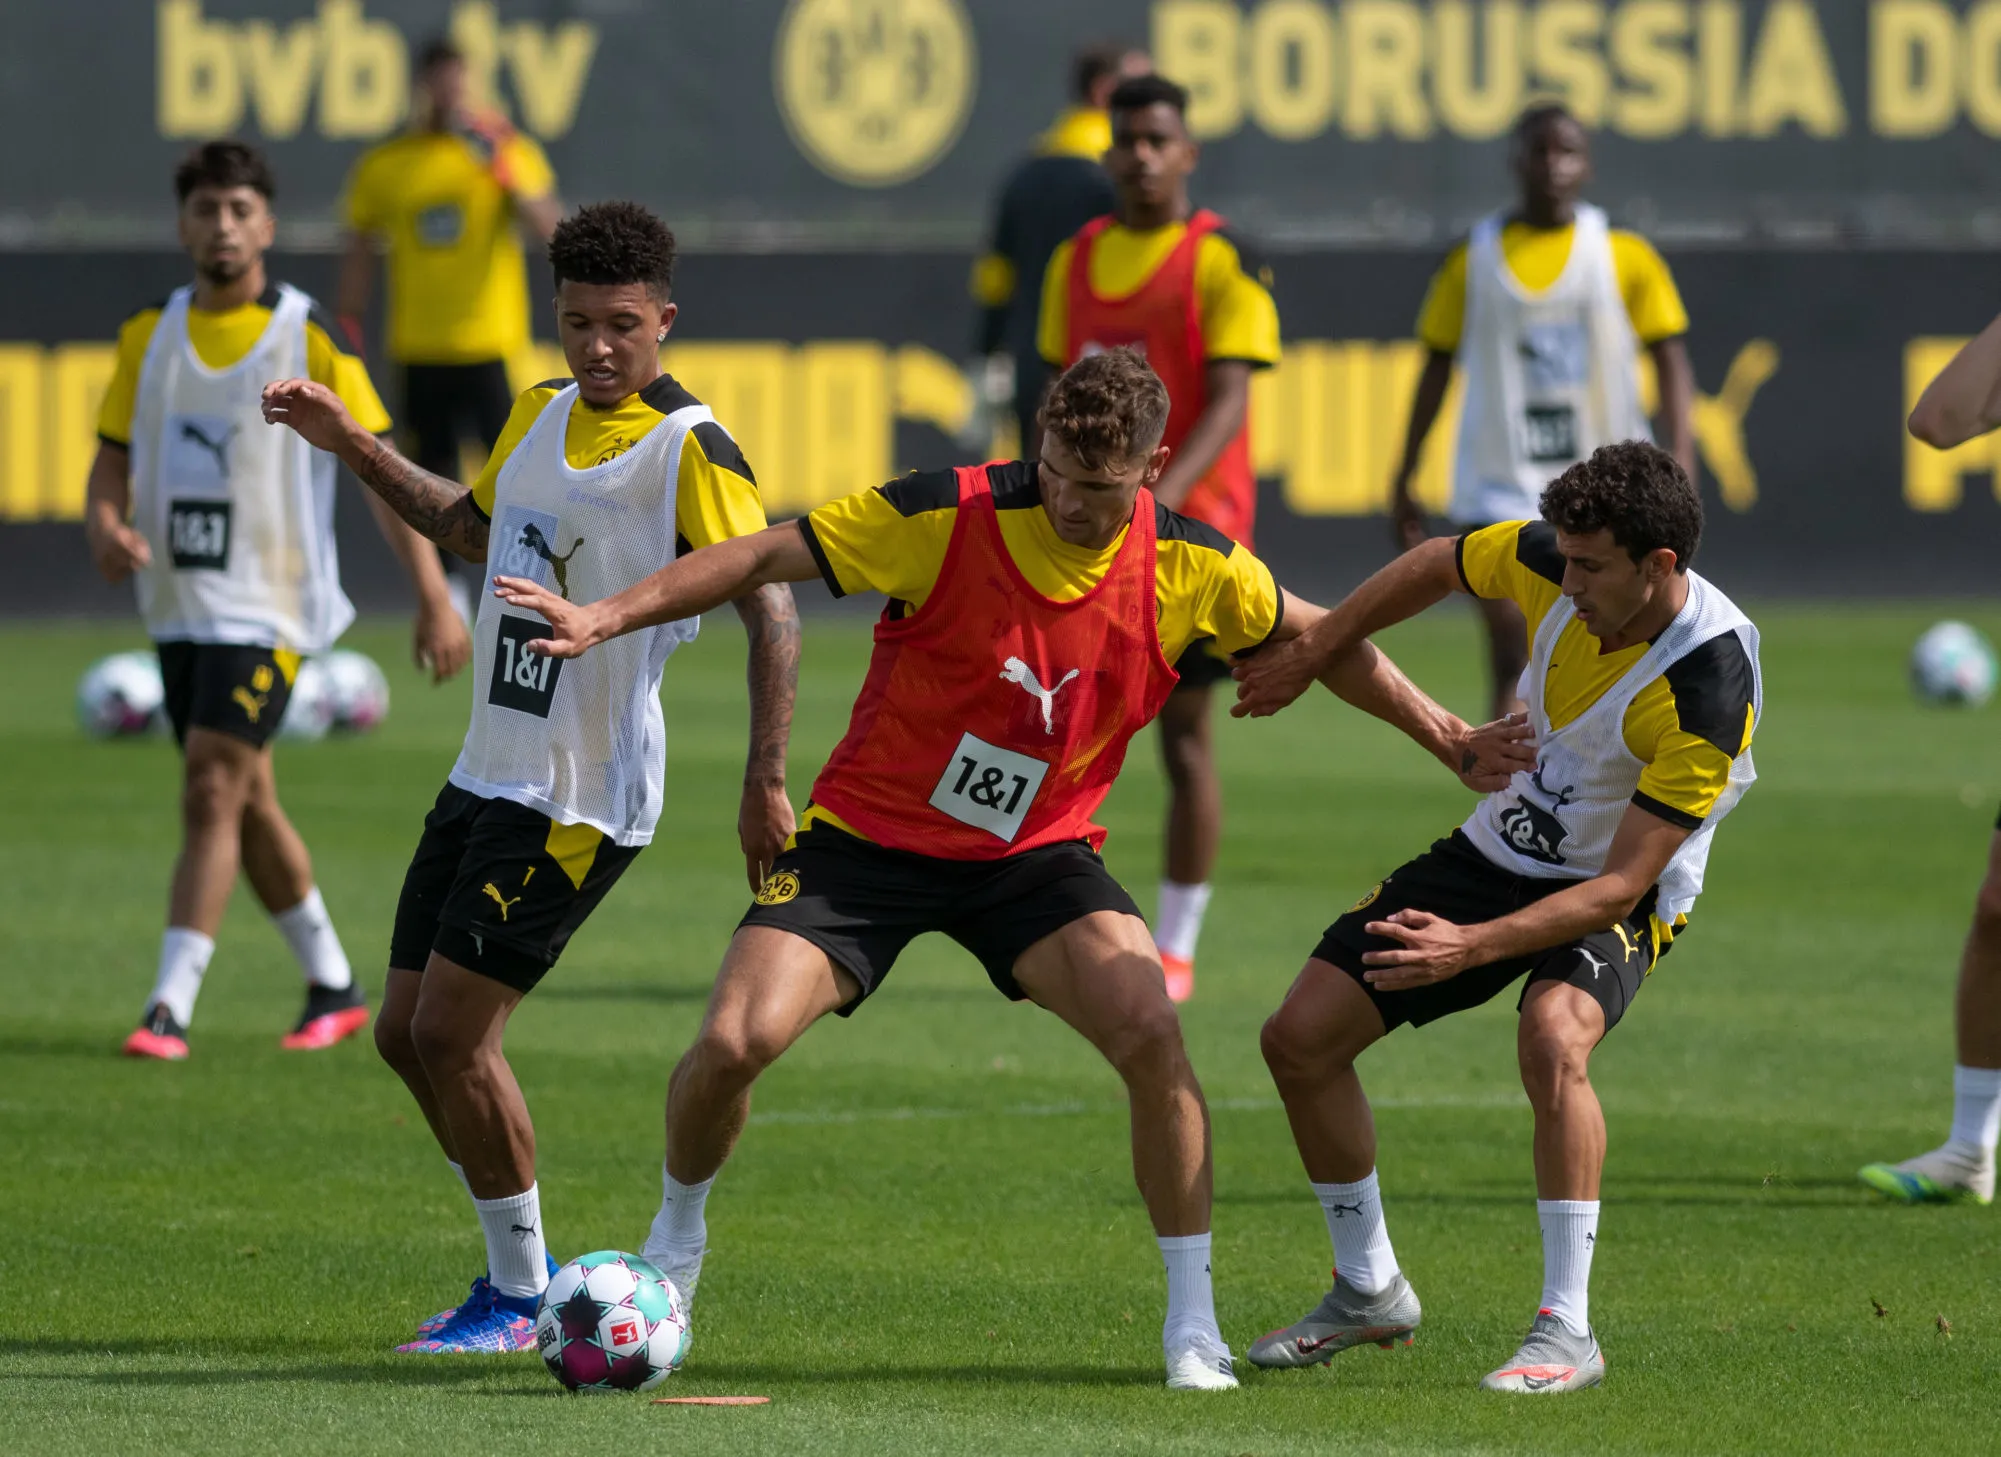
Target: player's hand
1407	522
1430	949
1273	679
764	822
311	409
116	550
1493	753
440	644
488	134
574	628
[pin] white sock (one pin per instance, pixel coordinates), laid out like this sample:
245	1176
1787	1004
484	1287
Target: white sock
1181	910
1362	1253
516	1254
1191	1296
1976	1110
680	1232
1569	1232
184	955
308	930
459	1173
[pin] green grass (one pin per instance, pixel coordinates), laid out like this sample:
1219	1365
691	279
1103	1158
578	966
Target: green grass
929	1240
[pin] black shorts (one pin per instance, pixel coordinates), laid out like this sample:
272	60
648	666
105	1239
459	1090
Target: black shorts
1457	882
1199	666
500	888
862	903
232	689
447	404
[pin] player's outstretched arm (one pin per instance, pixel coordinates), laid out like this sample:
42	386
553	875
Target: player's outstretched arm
765	819
1432	949
685	587
435	507
1965	399
1416	580
1484	758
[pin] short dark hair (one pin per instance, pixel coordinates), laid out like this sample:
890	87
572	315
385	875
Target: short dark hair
1092	64
1107	409
614	242
439	51
1152	89
1636	491
1539	115
224	164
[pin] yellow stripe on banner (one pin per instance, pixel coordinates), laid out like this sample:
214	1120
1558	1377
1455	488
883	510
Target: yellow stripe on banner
574	847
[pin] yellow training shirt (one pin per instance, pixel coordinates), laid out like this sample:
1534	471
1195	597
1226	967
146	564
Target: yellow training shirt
220	339
716	497
1537	258
1233	292
457	276
1685	726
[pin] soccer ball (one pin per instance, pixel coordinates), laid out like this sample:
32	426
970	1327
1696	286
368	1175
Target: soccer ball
611	1322
310	711
1953	664
360	692
121	696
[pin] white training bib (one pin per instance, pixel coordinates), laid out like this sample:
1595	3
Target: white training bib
1557	822
1550	376
581	740
238	513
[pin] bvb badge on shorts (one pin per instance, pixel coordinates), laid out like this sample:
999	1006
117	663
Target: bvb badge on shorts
778	888
1368	900
875	91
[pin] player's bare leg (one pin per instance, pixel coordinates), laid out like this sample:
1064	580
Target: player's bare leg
1101	976
275	859
398	1048
1194	830
1507	634
1560	1025
1963	1166
1310	1045
772	987
217	775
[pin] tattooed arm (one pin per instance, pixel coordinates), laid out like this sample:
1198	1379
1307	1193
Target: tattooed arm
436	508
765	820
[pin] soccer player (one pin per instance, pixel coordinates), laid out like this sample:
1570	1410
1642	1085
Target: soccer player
229	537
1545	307
1169	279
1964	402
449	203
1643	692
1045	199
596	481
1034	613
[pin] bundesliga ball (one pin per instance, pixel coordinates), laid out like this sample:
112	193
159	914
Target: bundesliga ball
1953	664
121	696
611	1322
359	691
310	712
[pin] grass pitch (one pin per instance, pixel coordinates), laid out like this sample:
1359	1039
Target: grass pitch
929	1240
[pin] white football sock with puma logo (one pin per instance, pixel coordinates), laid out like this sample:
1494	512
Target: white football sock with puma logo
517	1259
1362	1253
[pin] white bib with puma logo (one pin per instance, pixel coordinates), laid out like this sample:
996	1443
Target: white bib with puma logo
582	740
239	514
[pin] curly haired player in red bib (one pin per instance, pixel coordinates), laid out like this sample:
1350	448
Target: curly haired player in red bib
1034	612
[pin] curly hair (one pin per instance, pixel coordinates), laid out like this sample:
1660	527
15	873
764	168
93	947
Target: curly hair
614	242
224	164
1636	491
1108	409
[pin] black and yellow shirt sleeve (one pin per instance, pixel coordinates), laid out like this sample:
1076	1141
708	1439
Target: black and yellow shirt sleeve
1516	561
716	495
1210	587
223	337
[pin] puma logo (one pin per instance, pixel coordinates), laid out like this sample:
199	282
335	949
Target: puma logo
526	1231
1625	940
1018	672
252	704
493	892
1595	962
217	448
533	539
1719	423
1342	1211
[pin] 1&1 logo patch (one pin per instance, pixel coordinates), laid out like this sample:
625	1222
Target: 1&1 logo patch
521	680
198	535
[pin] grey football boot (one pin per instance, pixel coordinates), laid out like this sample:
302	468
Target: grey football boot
1346	1317
1552	1360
